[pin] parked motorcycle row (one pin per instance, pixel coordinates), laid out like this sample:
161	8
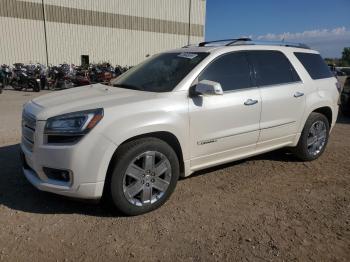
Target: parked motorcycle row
38	77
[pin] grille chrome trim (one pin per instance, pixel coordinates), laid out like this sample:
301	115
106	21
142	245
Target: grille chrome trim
28	130
28	134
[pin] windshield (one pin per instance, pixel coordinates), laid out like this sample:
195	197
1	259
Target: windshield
161	73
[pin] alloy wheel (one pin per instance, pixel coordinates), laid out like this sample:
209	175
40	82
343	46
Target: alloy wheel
316	138
147	178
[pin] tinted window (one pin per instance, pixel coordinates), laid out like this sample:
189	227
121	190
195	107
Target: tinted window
231	71
314	65
161	73
272	68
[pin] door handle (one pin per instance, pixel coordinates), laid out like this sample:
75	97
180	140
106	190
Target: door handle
298	94
250	102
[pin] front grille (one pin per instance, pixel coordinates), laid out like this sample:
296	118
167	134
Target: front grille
28	130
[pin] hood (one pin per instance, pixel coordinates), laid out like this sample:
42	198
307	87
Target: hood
84	98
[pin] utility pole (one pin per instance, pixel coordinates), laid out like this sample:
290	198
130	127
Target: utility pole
189	22
44	18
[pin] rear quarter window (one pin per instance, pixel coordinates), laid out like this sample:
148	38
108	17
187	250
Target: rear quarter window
314	65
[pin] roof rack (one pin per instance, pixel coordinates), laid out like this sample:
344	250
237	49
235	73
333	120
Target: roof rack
229	41
248	41
281	43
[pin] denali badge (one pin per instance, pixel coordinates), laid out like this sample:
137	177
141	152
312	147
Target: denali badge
200	143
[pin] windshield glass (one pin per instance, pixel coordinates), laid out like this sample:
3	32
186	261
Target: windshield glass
161	73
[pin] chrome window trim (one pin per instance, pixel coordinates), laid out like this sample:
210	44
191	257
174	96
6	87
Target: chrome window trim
276	85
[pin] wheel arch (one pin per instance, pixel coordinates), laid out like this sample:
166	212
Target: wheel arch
165	136
327	112
323	108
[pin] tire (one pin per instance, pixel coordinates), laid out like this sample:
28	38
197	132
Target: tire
36	88
15	85
345	104
136	152
346	112
34	85
51	86
304	150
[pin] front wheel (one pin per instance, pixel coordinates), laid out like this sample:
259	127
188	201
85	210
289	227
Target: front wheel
34	85
144	176
314	138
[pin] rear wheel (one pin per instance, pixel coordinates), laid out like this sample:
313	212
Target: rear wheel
51	85
15	85
345	104
346	112
144	176
314	138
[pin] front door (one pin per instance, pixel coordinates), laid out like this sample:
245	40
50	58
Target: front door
225	127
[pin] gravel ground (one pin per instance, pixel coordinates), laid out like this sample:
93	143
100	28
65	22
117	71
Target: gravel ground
267	208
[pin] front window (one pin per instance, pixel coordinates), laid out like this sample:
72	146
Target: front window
230	70
161	73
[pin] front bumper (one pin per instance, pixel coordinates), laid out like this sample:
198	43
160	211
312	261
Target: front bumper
85	190
87	160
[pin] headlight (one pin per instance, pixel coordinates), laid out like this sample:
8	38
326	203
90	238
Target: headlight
77	123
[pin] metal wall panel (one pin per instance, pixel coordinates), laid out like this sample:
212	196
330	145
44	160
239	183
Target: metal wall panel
22	40
172	10
119	31
110	45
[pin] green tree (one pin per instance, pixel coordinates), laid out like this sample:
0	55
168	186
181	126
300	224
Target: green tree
346	55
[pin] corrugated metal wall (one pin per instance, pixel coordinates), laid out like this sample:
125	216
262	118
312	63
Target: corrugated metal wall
21	39
119	31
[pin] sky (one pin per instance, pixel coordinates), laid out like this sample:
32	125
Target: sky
323	25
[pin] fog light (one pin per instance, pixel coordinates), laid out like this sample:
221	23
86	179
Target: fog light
57	174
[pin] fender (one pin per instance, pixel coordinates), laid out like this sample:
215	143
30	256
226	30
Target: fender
317	104
131	123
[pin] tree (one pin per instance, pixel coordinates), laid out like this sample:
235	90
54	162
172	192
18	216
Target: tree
346	55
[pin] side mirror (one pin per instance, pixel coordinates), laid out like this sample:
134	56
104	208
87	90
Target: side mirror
206	87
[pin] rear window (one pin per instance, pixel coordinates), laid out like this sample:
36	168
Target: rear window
314	65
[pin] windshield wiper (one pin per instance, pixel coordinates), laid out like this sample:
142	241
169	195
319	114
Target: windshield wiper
129	86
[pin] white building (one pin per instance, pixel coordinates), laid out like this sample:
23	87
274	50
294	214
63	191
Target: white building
119	31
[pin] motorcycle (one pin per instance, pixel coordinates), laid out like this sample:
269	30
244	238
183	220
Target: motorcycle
40	73
101	73
59	77
80	77
5	76
121	70
22	79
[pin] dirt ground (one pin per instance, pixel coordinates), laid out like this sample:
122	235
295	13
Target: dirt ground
267	208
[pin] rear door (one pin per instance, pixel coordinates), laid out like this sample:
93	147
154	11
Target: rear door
282	94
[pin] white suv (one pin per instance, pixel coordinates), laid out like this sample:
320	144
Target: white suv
176	113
